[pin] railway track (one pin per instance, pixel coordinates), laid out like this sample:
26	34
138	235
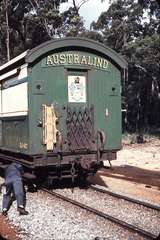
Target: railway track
129	199
123	224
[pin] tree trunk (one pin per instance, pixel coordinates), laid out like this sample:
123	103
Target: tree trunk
7	32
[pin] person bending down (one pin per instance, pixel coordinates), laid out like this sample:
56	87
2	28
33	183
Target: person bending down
14	187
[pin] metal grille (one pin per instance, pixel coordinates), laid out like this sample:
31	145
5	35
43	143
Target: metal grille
80	128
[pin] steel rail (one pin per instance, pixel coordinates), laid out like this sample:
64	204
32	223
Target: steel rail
121	223
129	199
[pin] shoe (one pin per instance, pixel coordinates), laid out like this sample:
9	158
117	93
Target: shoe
4	213
22	211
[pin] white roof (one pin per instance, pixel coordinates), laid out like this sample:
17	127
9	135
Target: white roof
22	55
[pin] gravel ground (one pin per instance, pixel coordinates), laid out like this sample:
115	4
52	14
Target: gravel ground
134	214
53	219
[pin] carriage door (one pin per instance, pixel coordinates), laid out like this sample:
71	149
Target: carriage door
80	130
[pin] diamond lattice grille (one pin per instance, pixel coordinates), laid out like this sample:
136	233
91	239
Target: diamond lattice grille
80	128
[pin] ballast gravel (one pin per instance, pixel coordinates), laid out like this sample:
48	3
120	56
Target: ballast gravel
53	219
135	214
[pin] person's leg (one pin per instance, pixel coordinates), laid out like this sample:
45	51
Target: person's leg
18	192
19	195
6	199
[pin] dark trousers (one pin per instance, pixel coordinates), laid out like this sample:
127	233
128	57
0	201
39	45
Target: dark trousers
14	188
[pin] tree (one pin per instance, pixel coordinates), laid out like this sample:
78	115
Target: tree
73	23
4	29
120	24
30	23
152	4
124	28
143	86
144	3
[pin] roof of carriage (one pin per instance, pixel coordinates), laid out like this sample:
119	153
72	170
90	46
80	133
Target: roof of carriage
72	43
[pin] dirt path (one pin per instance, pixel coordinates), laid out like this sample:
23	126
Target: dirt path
136	172
7	230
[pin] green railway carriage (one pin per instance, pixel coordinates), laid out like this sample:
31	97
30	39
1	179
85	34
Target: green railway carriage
60	107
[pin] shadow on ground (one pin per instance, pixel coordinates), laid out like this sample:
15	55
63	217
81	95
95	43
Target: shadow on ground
133	174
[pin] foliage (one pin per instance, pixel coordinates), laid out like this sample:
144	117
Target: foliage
31	22
73	24
132	28
143	86
122	23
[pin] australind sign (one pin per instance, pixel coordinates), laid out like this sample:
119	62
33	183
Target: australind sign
76	59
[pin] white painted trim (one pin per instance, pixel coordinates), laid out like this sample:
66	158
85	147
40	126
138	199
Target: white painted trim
14	114
9	74
19	57
23	73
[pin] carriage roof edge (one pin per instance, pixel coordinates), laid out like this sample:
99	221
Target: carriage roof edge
72	42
